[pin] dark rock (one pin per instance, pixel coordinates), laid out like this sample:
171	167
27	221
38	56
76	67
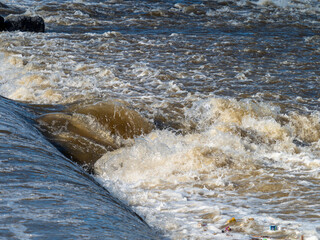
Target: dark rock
24	24
1	23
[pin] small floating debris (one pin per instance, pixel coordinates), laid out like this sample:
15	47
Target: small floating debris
231	220
227	229
274	228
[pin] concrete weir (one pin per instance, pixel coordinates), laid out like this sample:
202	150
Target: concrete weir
44	195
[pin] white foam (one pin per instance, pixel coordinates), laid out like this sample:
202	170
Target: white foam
184	184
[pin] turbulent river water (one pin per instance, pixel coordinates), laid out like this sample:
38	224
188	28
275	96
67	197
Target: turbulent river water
197	119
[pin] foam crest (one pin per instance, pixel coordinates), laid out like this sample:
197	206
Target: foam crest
241	148
161	156
247	117
230	133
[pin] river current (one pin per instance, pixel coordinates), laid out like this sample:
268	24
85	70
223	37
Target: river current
201	119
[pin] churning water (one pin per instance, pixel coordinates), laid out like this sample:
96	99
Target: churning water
190	112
